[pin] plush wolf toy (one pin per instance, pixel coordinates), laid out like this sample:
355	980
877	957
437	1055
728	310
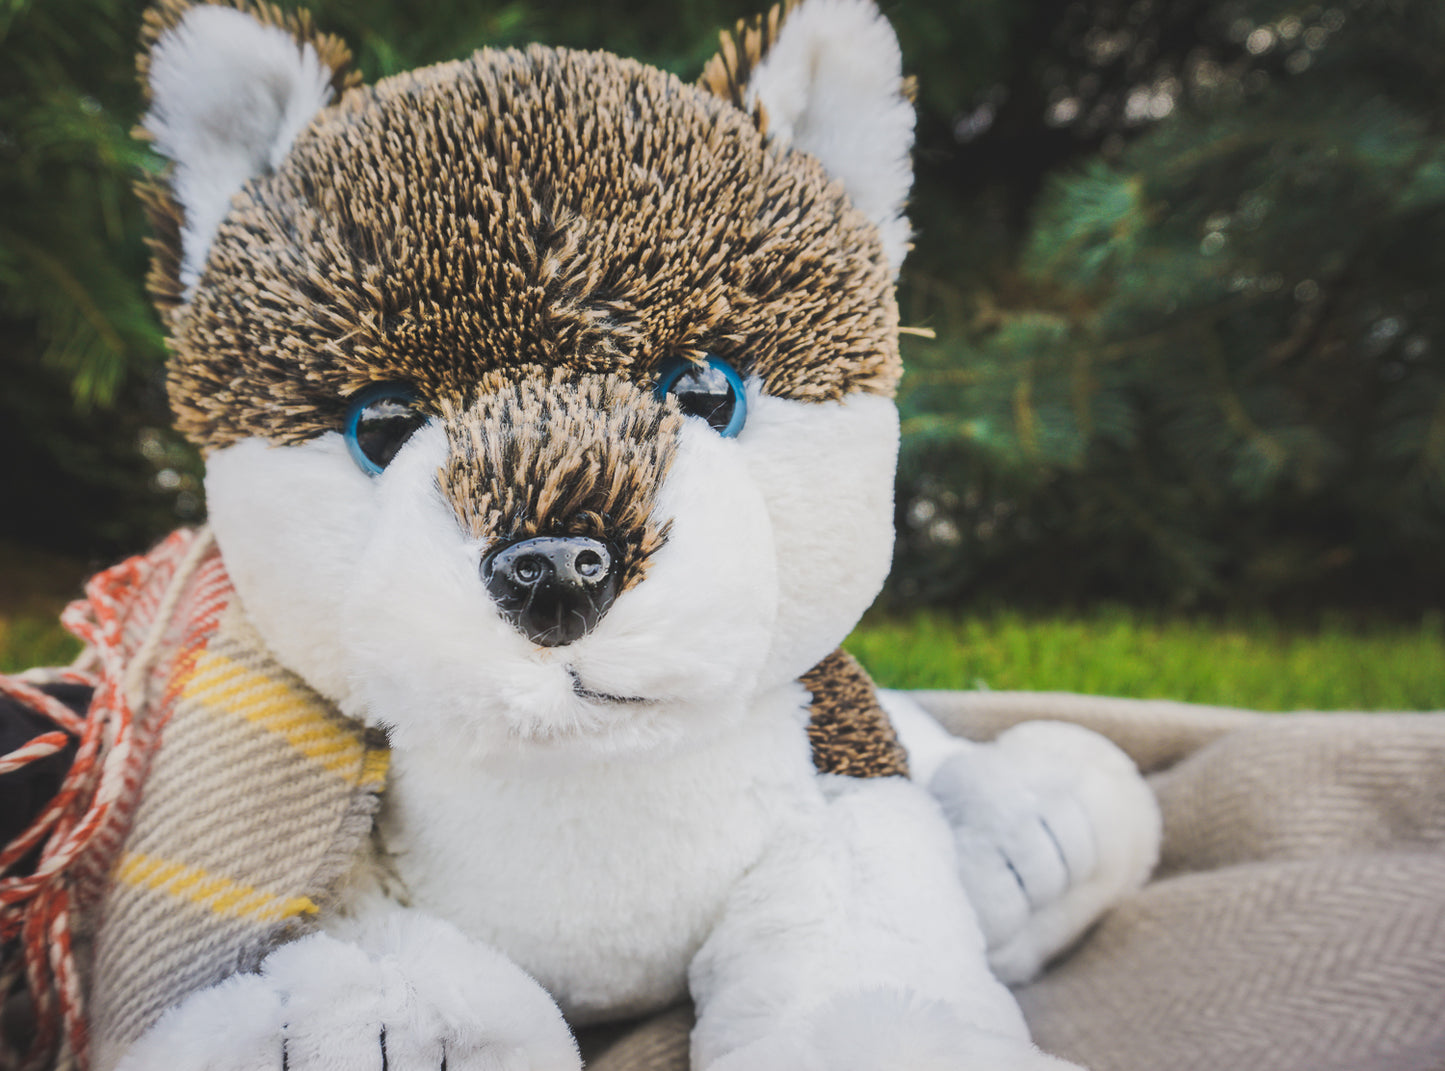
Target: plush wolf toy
546	405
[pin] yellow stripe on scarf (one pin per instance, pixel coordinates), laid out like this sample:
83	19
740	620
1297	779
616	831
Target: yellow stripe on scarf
219	895
373	769
229	687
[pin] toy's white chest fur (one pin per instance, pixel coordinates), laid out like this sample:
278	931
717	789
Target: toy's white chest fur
600	879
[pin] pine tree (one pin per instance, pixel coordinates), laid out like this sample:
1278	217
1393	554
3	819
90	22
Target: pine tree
80	344
1205	365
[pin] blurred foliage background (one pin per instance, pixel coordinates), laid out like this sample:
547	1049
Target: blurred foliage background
1184	261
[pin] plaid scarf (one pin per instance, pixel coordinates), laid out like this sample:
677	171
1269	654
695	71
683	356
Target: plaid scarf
214	801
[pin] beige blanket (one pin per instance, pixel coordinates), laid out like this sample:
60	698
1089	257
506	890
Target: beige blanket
1297	920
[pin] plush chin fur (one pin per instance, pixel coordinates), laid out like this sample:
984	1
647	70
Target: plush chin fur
370	589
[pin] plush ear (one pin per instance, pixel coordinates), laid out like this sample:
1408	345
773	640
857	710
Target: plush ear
826	77
230	86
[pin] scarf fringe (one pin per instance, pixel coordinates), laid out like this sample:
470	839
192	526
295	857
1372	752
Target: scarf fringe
123	631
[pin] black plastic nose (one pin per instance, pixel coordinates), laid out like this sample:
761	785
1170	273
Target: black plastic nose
554	589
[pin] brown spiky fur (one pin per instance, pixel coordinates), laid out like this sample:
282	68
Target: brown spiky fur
562	455
849	731
541	208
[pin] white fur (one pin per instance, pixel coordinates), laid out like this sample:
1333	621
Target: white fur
600	879
832	86
368	588
857	917
437	996
228	97
1112	801
825	471
1052	823
616	850
232	1026
292	524
505	785
598	844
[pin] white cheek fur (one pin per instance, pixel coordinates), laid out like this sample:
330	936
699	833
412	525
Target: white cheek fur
292	523
702	618
826	473
370	590
443	669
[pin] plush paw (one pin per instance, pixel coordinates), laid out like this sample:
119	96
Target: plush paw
1053	826
886	1030
432	1000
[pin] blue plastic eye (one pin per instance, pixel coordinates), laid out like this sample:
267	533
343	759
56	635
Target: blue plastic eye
379	421
713	391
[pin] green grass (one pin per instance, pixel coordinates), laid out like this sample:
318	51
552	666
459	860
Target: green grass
34	641
35	585
1254	663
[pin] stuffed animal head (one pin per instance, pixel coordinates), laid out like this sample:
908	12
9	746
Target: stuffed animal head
546	400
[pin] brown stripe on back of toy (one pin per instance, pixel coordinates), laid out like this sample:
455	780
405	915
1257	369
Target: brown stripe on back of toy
849	731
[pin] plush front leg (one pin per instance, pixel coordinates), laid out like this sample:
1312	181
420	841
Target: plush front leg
851	947
413	995
1052	824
